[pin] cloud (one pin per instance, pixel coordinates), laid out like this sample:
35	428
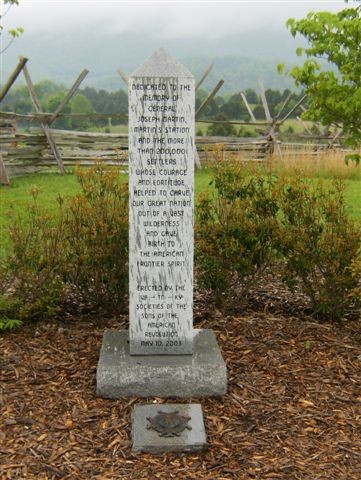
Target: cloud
162	19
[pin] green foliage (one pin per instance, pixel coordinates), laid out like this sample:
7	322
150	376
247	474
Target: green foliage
352	157
96	225
235	108
102	101
51	99
80	104
51	102
86	101
7	306
221	129
356	275
12	32
9	324
319	243
247	132
16	32
256	219
201	95
234	229
334	94
34	269
251	96
82	249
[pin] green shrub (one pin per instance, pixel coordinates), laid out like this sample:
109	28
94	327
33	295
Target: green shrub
83	248
223	129
256	218
246	132
355	294
319	242
96	226
235	229
33	272
7	306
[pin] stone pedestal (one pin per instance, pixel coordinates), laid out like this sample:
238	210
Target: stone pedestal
120	374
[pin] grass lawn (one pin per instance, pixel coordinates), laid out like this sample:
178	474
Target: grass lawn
50	185
353	198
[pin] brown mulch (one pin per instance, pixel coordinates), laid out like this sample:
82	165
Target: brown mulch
292	411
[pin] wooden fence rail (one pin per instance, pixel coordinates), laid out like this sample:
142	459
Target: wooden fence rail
23	151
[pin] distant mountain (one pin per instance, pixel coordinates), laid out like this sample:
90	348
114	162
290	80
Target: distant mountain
238	59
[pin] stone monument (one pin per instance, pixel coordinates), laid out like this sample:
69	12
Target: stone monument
161	355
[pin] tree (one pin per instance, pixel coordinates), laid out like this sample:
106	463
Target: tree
251	96
80	104
43	88
235	108
51	103
13	32
333	90
221	129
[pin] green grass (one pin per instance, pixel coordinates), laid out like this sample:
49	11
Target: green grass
111	129
17	196
353	198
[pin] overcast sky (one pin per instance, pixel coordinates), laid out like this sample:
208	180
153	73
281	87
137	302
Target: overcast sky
163	19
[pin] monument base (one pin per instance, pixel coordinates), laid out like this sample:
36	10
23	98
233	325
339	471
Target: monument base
120	374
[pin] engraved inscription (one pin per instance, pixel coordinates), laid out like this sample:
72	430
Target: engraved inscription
161	188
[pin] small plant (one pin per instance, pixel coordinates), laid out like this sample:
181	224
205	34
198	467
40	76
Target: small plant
7	306
9	324
221	129
83	248
34	269
96	225
320	244
355	269
235	229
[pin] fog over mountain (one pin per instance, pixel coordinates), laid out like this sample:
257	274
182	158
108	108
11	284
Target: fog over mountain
245	40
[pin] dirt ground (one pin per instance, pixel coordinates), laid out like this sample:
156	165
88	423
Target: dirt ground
292	411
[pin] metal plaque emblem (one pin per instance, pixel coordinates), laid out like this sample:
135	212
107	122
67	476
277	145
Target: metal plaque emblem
169	424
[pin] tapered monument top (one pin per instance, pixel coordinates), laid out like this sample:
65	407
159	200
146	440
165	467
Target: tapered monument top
161	64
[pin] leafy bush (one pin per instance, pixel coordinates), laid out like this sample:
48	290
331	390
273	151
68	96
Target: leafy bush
319	242
256	218
96	226
356	275
83	248
235	229
223	129
246	132
34	270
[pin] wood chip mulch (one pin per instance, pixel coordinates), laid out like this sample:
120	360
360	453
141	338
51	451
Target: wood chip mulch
292	411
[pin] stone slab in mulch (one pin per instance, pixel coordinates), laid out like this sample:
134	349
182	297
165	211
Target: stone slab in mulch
173	427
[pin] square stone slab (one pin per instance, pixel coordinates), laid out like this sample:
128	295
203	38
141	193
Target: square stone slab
120	374
148	440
